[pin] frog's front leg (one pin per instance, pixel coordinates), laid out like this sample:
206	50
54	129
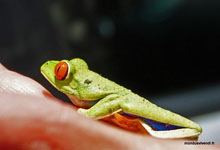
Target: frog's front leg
105	107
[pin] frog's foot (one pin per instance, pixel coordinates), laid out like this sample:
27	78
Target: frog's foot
83	111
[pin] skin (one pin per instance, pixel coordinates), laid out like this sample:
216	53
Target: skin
58	126
86	86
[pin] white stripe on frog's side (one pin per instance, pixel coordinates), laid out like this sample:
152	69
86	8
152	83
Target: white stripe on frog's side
81	103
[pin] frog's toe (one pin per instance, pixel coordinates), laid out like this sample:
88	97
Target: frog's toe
82	111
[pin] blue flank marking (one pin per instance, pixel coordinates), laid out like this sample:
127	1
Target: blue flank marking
158	126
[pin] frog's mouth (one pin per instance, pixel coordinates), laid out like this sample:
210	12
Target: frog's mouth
47	70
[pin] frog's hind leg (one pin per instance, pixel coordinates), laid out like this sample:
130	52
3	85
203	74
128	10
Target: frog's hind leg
105	107
144	108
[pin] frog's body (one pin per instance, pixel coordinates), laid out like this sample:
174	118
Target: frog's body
104	98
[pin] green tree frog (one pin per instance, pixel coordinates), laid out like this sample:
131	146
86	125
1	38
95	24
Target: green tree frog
99	97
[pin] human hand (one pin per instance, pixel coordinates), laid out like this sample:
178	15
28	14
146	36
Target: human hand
32	119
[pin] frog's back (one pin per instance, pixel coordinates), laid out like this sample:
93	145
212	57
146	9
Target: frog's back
93	86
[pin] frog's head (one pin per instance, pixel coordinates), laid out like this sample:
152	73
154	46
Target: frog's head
60	73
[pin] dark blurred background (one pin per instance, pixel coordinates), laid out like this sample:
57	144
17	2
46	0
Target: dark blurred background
164	50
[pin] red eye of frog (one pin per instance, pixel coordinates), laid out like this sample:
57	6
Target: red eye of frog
61	70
